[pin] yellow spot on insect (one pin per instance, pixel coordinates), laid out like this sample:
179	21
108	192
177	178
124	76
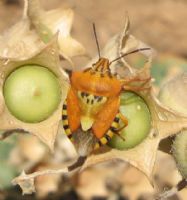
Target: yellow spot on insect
64	112
138	107
68	132
115	124
110	133
96	146
103	140
86	122
65	122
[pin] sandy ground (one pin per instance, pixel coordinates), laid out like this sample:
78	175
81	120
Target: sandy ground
159	23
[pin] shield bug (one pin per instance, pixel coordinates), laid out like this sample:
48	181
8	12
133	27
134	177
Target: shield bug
93	100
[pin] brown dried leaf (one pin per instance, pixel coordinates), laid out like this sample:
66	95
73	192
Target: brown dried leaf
27	185
46	130
173	93
50	22
20	41
26	181
120	44
166	122
142	156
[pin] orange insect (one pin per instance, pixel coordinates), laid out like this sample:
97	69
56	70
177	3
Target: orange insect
93	101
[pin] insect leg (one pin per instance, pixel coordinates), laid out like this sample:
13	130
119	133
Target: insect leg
65	120
124	120
109	134
125	123
114	129
132	88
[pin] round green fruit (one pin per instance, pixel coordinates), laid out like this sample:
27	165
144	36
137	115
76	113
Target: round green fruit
179	149
134	108
32	93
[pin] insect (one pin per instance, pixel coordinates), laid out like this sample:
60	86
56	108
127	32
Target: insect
93	101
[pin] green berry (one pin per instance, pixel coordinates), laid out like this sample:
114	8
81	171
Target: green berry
173	94
32	93
134	108
180	152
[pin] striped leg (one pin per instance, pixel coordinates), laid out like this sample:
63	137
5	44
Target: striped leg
109	134
65	120
114	129
124	120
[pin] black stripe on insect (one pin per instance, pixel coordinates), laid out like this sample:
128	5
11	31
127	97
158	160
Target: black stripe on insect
116	119
108	138
64	106
64	117
66	127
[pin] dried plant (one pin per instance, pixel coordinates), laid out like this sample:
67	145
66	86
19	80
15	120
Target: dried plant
42	40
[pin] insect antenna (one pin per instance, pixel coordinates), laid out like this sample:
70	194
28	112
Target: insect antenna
97	43
131	52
